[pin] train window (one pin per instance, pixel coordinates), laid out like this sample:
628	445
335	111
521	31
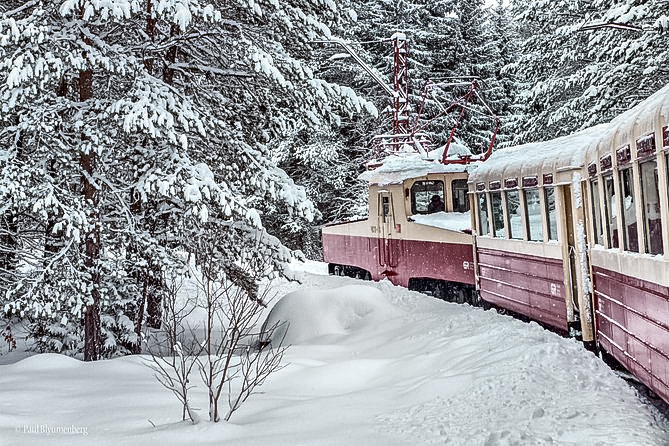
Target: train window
497	214
533	205
459	193
596	212
630	237
385	207
513	210
551	213
422	197
610	206
482	200
650	197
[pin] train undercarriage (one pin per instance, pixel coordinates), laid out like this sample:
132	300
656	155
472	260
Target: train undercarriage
441	289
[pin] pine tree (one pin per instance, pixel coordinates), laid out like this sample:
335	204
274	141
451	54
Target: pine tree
574	79
148	125
504	41
551	57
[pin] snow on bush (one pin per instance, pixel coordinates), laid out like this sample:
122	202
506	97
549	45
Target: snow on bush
305	315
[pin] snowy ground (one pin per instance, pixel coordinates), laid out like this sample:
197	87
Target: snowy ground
379	366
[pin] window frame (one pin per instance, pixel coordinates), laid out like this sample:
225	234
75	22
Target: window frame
612	236
464	188
551	223
598	227
511	235
528	225
486	199
630	234
647	232
495	231
412	195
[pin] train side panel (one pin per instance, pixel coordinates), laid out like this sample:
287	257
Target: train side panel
438	254
347	244
632	314
525	278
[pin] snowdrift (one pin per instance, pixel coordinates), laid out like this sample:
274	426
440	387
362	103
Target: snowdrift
305	315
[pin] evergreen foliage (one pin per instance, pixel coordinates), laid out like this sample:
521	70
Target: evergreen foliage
572	79
129	129
133	131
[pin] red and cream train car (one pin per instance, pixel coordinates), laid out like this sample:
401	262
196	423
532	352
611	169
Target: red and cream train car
574	232
529	231
402	239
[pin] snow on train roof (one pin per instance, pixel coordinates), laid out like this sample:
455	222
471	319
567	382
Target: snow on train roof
397	168
573	150
644	116
532	158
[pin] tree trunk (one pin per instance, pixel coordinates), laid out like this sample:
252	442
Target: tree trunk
9	228
87	161
151	32
146	300
155	282
171	57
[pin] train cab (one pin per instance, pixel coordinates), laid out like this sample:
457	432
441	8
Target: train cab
418	233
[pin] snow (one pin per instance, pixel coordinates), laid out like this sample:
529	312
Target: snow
546	156
455	221
414	370
396	169
314	313
455	150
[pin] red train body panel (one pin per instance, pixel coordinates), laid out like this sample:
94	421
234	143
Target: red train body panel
529	285
632	317
403	259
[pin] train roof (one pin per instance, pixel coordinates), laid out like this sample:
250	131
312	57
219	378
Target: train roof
547	156
397	169
636	122
573	151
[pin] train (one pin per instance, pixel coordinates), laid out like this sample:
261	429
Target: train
572	233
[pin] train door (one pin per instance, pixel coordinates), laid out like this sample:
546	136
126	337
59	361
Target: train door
576	264
570	259
388	248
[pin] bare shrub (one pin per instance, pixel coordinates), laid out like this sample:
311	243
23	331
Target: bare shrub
229	347
173	348
234	356
9	338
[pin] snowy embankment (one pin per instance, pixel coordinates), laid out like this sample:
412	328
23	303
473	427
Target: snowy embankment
370	364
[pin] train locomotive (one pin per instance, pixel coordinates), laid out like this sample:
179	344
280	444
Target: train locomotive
572	233
404	242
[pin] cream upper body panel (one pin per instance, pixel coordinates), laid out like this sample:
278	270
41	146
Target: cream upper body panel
645	267
399	221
